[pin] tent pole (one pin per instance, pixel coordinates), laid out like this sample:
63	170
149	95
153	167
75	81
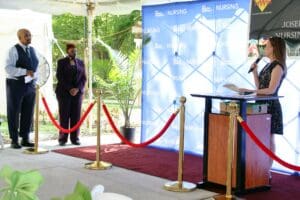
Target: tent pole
90	10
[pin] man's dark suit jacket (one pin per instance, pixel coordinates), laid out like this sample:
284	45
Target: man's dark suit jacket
65	79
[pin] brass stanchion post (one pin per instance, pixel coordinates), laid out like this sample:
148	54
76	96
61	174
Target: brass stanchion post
36	149
180	185
98	164
233	109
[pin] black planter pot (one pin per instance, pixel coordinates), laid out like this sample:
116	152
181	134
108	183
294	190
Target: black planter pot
128	133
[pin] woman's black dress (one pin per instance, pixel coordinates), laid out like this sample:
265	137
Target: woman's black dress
274	107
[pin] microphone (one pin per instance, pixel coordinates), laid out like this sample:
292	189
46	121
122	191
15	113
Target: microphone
256	62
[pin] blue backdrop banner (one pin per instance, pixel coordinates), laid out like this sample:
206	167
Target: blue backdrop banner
194	47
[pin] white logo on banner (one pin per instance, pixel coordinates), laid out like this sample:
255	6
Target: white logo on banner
177	78
229	6
158	14
180	28
152	30
206	9
289	35
177	12
291	24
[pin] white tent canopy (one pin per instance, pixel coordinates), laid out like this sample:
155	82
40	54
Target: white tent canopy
158	2
76	7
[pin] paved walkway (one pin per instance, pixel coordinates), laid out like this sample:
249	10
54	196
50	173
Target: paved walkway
61	173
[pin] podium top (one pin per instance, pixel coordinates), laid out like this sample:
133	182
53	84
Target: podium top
237	97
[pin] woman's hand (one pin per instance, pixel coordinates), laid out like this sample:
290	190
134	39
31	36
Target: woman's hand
253	68
74	91
245	91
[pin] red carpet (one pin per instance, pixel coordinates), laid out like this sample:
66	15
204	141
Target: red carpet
150	161
164	163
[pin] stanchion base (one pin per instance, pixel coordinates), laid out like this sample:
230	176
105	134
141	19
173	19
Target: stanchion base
34	151
101	165
224	197
174	186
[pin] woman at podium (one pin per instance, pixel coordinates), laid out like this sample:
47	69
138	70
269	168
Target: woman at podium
269	80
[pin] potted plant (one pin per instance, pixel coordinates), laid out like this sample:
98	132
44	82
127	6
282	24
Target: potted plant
20	184
124	84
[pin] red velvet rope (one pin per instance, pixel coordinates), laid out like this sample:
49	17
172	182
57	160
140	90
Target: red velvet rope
77	125
153	139
265	149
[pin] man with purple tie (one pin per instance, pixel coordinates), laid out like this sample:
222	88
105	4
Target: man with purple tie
71	79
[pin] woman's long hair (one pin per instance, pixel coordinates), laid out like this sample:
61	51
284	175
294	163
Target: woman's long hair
279	51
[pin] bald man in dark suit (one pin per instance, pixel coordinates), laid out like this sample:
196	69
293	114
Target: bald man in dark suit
71	79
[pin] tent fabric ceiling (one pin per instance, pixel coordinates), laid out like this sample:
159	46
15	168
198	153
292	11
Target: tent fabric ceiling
76	7
158	2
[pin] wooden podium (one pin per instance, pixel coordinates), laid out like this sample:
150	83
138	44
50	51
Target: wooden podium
250	164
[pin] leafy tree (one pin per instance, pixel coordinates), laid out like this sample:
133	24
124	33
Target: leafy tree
115	30
68	28
123	81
